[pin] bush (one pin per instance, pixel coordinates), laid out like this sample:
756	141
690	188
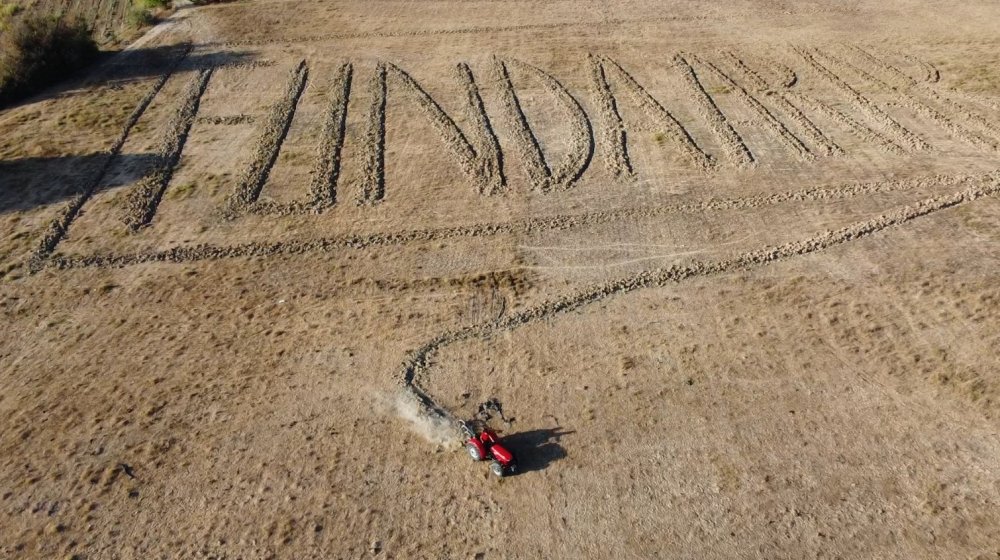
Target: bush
144	12
140	17
154	4
39	50
8	11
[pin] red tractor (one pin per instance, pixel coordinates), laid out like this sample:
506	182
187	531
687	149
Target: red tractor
485	446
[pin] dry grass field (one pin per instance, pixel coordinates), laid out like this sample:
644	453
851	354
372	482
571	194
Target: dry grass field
732	267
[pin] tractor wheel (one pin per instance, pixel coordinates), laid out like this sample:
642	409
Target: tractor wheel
473	452
496	468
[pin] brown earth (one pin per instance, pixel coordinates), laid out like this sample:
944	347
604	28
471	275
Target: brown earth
732	267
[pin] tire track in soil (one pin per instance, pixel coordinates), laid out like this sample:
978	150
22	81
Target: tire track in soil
483	166
956	108
540	174
491	156
655	111
228	120
766	119
144	198
512	280
372	182
898	132
788	76
987	128
525	227
932	74
524	139
986	100
323	191
749	73
419	362
57	228
456	31
861	131
904	99
880	64
265	153
736	150
102	21
614	137
121	15
785	75
582	136
474	163
808	128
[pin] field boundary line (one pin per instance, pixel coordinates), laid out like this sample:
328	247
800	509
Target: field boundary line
203	252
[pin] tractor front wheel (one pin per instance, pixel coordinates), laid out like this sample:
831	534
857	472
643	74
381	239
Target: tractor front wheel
496	468
473	452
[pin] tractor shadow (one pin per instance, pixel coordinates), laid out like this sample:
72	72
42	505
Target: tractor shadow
536	449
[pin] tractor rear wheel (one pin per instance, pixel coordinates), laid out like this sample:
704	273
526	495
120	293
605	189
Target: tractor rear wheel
473	452
496	468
